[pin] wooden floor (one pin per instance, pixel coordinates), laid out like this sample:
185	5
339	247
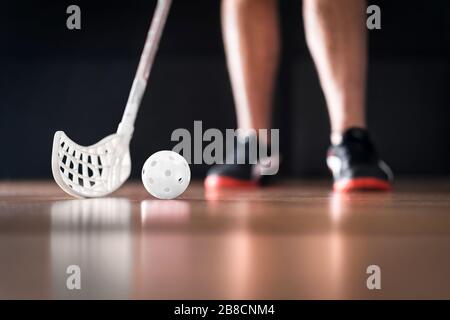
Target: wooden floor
295	240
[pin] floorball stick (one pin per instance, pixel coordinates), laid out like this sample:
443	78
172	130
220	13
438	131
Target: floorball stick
99	169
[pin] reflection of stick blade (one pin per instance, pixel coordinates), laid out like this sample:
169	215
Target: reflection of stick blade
94	234
87	214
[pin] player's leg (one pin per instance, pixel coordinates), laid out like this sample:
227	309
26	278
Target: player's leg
337	38
251	39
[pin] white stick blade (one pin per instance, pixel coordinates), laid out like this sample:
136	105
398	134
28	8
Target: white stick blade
90	171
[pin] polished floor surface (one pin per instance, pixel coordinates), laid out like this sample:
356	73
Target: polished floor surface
295	240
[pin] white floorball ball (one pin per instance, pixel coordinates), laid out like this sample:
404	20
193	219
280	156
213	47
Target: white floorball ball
166	174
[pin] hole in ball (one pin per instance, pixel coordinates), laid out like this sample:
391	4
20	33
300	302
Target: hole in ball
150	180
180	180
166	189
167	173
153	163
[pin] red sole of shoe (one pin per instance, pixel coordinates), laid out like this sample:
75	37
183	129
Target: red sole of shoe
358	184
218	182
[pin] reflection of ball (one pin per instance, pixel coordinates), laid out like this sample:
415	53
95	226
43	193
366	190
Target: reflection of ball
166	174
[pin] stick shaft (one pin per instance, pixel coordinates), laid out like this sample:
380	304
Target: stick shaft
126	126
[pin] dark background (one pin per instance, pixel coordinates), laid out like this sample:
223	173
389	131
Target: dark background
52	78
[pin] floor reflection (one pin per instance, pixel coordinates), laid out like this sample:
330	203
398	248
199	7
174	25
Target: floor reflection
287	242
94	234
337	207
336	243
170	211
192	260
349	214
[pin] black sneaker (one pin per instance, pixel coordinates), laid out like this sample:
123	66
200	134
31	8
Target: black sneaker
237	171
355	164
